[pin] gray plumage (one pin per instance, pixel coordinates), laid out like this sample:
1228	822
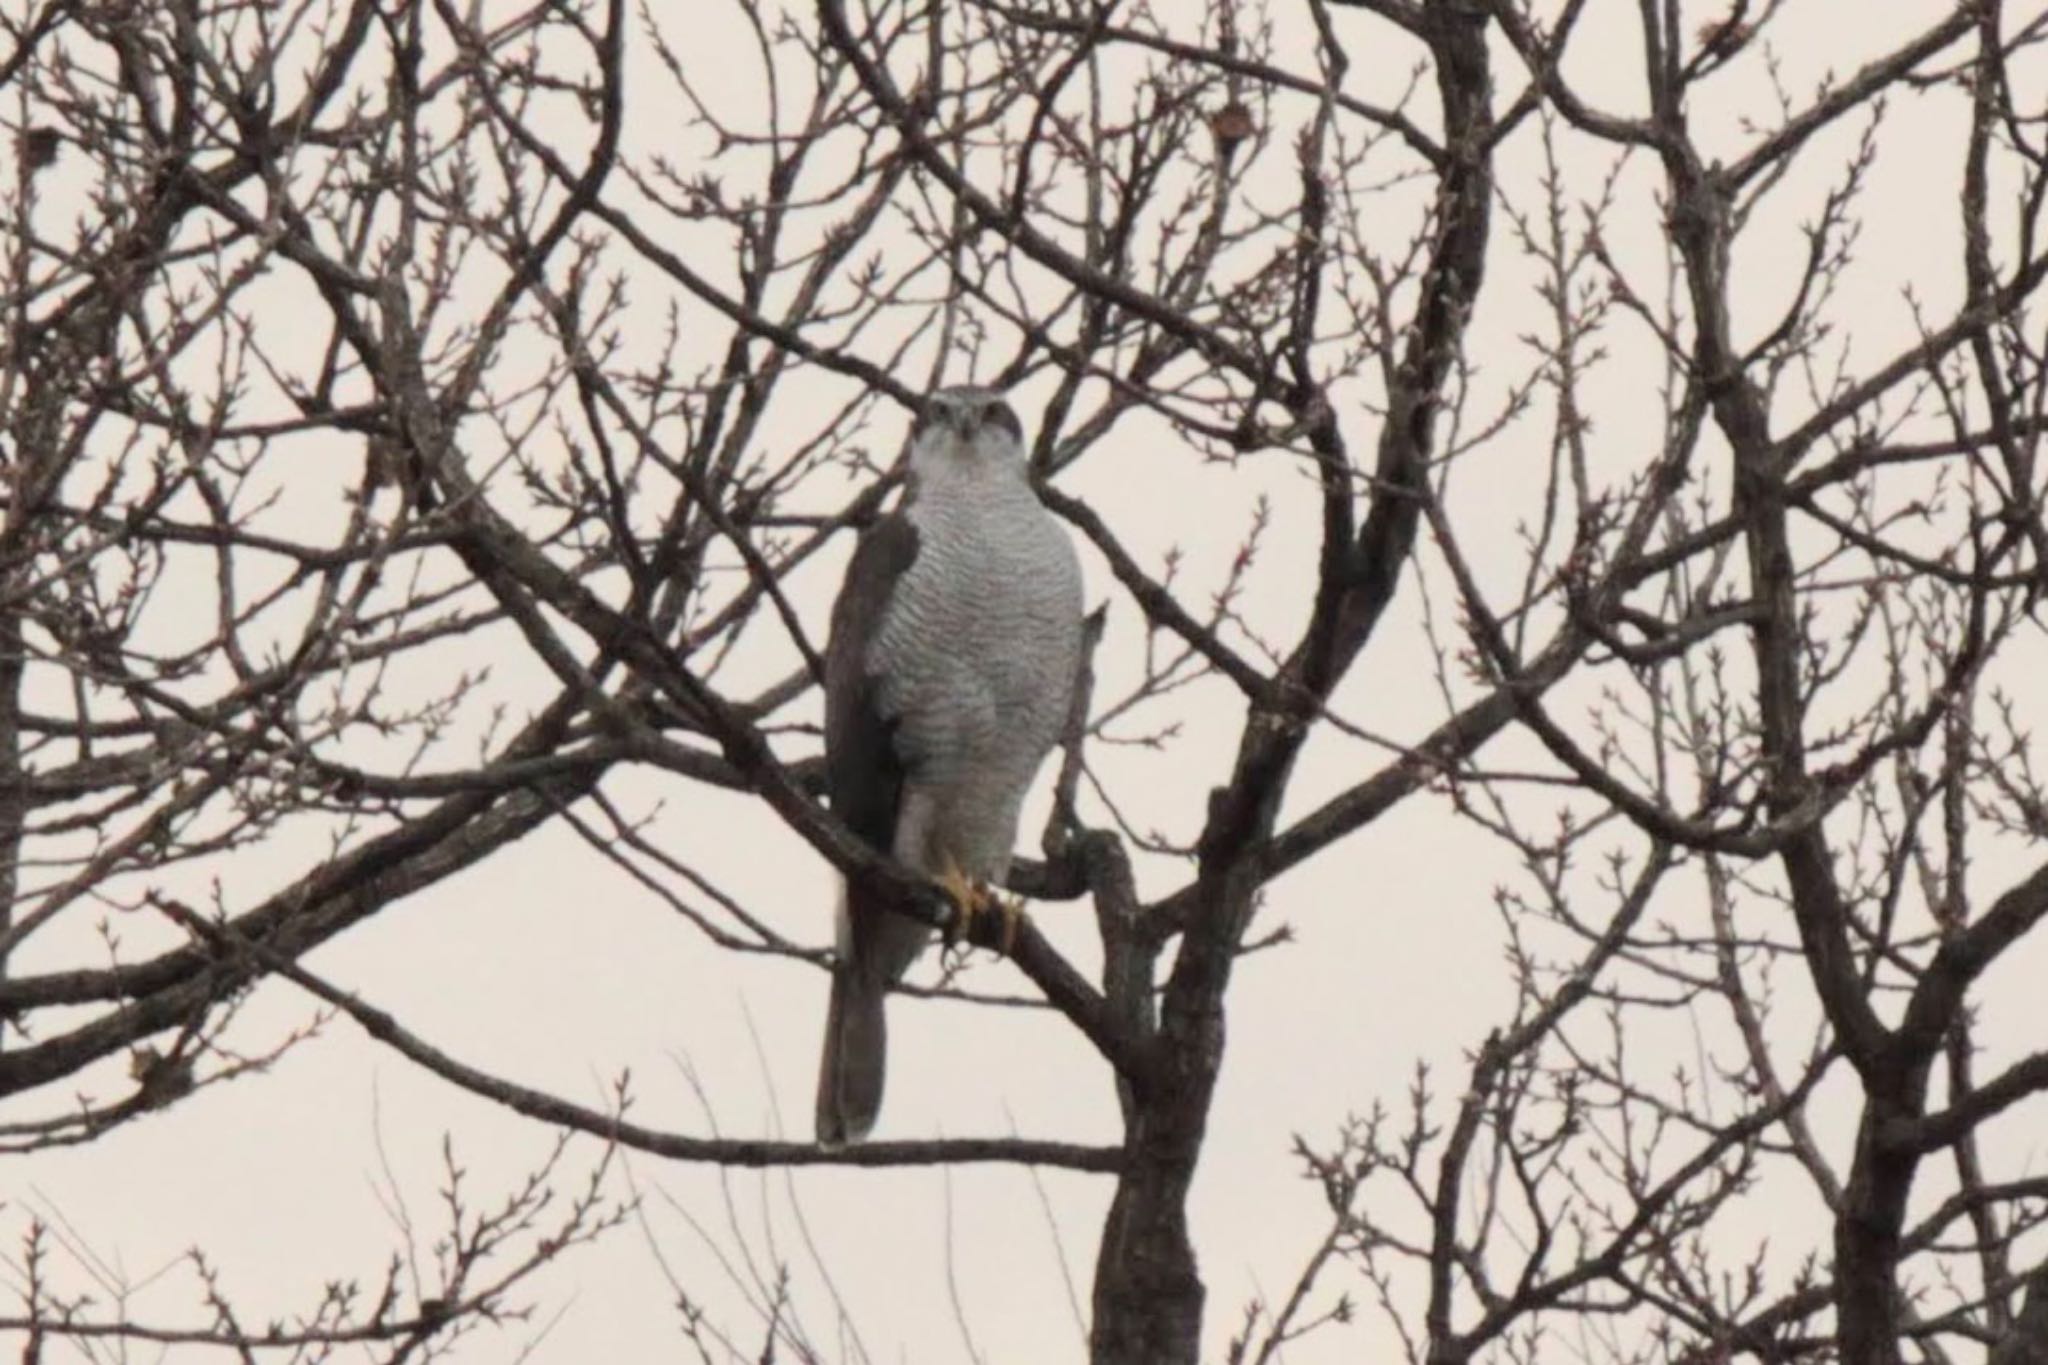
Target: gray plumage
956	641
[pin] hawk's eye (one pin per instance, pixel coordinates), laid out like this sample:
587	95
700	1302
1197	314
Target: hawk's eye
1004	418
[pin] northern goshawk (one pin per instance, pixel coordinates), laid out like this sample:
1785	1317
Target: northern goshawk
956	642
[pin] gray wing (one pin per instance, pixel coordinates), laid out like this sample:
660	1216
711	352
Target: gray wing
863	771
864	777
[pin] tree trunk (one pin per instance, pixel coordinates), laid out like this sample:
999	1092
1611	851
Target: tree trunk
1867	1248
1148	1294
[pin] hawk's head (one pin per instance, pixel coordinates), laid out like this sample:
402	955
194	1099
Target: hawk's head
963	428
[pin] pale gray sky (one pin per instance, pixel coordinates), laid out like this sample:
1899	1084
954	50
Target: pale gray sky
549	966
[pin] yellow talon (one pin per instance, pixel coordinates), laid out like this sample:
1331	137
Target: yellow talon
971	898
966	898
1011	908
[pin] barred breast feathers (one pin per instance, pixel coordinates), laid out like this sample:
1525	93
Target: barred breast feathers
984	629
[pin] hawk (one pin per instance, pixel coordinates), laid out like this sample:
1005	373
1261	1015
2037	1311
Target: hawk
955	647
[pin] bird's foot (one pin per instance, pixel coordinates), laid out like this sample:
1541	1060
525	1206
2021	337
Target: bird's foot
966	896
972	899
1011	908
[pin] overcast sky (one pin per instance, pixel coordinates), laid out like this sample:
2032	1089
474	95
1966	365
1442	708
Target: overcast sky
548	965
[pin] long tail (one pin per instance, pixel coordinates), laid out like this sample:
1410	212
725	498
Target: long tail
856	1045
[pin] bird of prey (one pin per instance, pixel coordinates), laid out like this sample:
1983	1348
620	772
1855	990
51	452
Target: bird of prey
955	648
